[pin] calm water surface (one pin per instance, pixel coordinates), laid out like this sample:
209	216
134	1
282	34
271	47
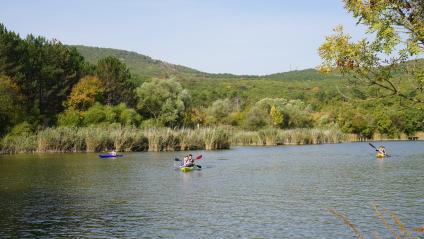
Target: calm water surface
245	192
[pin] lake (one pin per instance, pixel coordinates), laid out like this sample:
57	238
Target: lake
244	192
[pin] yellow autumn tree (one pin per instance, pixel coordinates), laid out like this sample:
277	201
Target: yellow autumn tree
85	93
276	117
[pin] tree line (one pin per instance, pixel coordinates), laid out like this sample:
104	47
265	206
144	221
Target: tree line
44	83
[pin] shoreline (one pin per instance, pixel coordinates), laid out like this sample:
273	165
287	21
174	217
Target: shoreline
131	139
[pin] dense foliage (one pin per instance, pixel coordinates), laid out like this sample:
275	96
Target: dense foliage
42	71
395	34
163	101
115	77
85	93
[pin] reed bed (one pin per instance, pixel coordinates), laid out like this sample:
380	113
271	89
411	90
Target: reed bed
124	139
246	138
96	139
381	137
190	139
60	140
162	139
18	144
288	137
268	136
127	139
215	138
165	139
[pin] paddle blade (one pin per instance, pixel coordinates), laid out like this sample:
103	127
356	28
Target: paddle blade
199	157
177	159
372	145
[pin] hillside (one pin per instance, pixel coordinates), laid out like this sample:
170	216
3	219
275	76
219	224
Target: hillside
309	85
145	66
137	63
205	87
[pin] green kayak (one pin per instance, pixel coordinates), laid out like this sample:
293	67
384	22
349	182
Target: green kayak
186	169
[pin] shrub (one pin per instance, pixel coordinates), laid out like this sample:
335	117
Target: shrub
70	118
94	115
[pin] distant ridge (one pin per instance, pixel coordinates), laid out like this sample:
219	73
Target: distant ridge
145	66
137	63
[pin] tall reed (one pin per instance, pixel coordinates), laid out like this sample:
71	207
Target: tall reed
96	139
190	139
268	136
128	139
63	139
272	136
18	144
162	139
215	138
245	138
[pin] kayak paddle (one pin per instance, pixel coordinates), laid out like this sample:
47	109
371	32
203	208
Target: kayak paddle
373	146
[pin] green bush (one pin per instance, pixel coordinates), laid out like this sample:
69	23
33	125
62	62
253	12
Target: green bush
21	129
218	113
256	118
127	116
95	114
105	114
163	100
70	118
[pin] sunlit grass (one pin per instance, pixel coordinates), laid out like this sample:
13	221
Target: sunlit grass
272	136
124	139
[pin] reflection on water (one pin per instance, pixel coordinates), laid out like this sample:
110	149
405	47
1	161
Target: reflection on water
246	192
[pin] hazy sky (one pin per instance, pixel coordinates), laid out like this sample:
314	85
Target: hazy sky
216	36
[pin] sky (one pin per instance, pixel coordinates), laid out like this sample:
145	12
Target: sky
255	37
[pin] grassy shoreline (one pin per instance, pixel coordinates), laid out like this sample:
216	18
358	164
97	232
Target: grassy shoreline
128	139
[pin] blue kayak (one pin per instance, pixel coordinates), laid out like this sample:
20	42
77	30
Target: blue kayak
110	156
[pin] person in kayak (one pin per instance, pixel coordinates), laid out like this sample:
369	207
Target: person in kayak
190	160
113	153
186	162
381	150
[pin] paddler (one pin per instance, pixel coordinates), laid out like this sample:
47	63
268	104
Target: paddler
381	150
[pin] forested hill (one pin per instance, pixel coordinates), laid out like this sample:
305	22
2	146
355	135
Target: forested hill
145	66
138	64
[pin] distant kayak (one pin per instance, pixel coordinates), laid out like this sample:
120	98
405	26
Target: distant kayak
379	155
110	156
